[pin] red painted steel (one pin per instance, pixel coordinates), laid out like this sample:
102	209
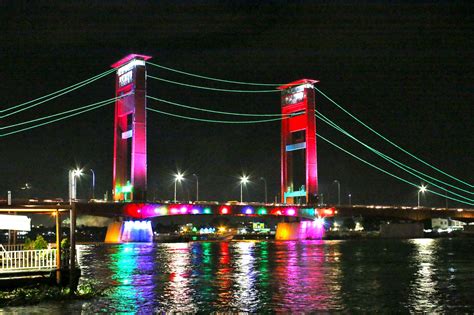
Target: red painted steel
130	159
298	99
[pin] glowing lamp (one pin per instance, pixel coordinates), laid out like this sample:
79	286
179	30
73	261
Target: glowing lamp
319	222
248	210
224	210
207	211
174	210
262	211
290	211
328	212
195	211
183	210
139	211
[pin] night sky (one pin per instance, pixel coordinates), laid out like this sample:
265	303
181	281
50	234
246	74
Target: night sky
405	70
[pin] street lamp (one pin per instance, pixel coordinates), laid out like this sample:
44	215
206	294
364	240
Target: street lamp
243	181
73	174
350	199
93	183
197	187
422	190
338	192
265	183
177	178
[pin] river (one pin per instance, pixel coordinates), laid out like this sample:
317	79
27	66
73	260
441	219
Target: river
417	275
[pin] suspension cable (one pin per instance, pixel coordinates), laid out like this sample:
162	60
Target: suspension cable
210	88
389	141
215	121
400	165
210	78
55	120
214	111
46	98
63	113
388	173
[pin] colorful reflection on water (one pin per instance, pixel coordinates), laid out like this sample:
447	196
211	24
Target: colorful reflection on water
384	276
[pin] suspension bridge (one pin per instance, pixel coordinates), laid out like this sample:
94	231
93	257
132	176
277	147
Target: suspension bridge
298	117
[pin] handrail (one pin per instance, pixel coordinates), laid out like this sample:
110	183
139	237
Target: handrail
24	260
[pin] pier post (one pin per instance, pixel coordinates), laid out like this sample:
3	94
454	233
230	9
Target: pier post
58	247
72	254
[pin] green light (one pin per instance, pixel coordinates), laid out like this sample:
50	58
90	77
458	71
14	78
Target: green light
104	102
388	173
51	121
127	188
400	165
210	78
386	139
207	211
213	111
211	89
262	211
59	93
215	121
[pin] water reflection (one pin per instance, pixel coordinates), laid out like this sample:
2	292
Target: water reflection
366	276
423	293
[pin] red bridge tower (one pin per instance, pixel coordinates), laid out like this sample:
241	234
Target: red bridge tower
130	162
298	132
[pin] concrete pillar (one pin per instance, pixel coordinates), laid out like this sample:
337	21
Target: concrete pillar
304	230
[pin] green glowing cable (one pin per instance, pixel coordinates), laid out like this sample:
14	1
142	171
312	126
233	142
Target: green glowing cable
51	121
211	89
388	173
111	100
55	94
389	141
215	121
400	165
214	111
366	162
210	78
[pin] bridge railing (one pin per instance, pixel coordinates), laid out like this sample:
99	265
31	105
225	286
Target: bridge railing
27	260
11	247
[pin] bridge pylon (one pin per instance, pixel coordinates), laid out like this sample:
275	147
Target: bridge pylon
130	156
298	143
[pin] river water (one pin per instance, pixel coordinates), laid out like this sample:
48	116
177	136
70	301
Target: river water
418	275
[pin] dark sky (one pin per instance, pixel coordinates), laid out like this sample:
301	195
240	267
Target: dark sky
406	70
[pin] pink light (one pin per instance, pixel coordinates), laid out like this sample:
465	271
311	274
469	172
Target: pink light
183	210
128	58
174	210
290	211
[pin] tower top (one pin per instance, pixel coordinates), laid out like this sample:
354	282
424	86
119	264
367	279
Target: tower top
128	58
297	83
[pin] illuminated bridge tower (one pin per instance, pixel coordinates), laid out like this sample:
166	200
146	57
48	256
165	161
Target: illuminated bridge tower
299	165
130	161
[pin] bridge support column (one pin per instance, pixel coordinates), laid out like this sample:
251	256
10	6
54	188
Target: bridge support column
295	231
129	231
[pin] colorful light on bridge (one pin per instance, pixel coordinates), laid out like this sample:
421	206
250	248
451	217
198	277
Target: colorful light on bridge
207	210
262	211
247	210
224	210
290	211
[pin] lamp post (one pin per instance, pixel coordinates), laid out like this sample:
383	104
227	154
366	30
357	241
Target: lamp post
73	174
338	192
93	183
422	190
350	199
265	183
177	178
197	186
243	181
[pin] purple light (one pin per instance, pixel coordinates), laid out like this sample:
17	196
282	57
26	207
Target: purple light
290	211
195	211
248	210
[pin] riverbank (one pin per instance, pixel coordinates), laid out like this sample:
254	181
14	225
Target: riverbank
37	293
